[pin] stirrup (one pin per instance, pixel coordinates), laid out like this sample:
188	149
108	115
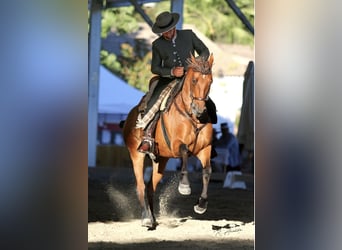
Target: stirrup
152	151
153	157
150	142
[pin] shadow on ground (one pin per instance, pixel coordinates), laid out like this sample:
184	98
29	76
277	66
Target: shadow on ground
112	197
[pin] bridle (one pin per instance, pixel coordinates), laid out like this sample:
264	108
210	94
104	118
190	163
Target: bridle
196	98
203	99
188	113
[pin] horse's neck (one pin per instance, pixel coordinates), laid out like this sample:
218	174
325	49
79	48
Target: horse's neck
182	102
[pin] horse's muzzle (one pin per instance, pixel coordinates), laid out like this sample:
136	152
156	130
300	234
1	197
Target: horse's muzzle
196	110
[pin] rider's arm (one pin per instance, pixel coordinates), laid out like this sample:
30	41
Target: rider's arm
158	65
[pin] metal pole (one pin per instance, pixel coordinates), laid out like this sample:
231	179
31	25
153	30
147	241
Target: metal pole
93	77
138	9
177	6
240	15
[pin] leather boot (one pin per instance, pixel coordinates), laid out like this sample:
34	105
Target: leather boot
146	98
146	145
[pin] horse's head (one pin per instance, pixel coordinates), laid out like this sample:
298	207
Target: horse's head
199	79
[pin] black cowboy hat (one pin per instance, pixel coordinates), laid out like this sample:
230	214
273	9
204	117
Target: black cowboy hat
164	22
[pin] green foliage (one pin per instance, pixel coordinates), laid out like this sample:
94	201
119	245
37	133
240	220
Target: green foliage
219	22
109	60
118	20
136	66
132	65
158	8
139	73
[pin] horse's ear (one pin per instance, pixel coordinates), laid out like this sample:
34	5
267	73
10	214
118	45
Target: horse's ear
211	59
193	59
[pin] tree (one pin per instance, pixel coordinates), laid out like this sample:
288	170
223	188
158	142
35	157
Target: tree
131	64
218	21
119	20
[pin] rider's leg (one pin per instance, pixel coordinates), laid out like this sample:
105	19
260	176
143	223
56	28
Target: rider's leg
147	145
143	105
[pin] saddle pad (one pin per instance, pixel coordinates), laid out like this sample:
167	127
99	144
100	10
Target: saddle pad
142	122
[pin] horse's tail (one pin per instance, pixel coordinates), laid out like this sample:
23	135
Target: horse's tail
122	123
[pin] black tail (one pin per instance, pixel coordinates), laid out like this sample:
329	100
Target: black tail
122	123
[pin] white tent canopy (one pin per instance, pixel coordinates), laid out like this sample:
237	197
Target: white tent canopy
115	95
226	92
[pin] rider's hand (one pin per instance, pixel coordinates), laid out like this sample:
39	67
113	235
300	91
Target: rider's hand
178	71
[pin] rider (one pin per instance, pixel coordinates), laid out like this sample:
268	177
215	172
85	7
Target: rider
169	54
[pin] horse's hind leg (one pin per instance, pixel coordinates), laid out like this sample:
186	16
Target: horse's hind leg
204	157
184	184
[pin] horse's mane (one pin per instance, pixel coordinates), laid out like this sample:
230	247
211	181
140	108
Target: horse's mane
199	64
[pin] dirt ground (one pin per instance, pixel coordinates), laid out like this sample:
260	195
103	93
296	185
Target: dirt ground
114	214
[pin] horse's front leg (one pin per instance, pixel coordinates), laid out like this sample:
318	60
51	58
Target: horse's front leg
157	175
202	203
142	193
184	184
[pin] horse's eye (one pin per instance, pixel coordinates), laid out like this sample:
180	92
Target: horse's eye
194	81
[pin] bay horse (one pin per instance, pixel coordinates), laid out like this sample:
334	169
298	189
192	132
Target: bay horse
178	134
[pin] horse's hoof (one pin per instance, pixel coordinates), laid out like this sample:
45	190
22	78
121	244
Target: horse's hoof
201	206
147	222
184	189
151	225
147	219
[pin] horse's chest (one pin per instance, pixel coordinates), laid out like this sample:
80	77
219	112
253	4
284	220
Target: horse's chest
196	137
